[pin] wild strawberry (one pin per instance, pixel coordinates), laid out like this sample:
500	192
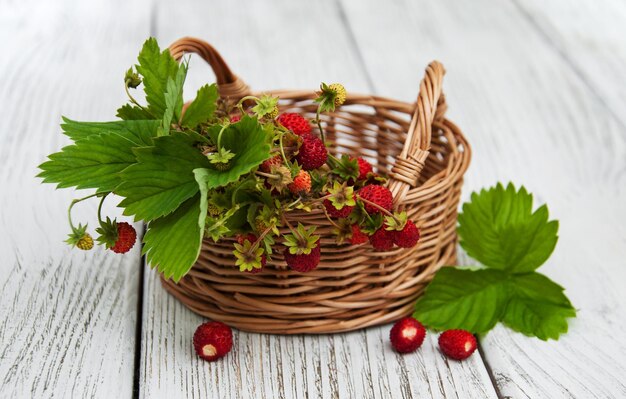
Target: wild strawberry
118	237
457	344
235	118
85	242
379	195
249	259
302	249
241	238
295	122
341	200
407	335
126	237
312	153
333	212
213	340
382	240
301	183
304	262
79	238
408	236
364	168
276	160
213	210
358	237
340	93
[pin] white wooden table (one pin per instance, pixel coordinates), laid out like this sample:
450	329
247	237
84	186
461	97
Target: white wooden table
538	88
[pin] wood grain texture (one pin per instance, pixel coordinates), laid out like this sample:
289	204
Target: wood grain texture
589	37
360	364
68	321
531	119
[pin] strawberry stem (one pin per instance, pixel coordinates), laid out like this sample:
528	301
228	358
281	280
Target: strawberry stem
240	103
375	205
268	175
100	208
74	202
282	149
329	218
318	122
132	100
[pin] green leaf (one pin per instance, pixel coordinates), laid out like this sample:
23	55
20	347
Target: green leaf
172	243
156	68
248	141
132	112
173	99
80	130
97	160
499	229
538	307
163	178
202	109
465	299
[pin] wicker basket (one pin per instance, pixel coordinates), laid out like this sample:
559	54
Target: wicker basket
425	156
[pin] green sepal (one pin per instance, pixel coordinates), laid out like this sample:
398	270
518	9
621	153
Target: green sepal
347	168
266	105
247	257
108	233
301	241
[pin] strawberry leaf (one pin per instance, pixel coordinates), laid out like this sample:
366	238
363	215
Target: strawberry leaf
144	130
538	307
132	112
173	100
172	243
163	178
156	68
96	160
465	299
248	141
499	229
202	109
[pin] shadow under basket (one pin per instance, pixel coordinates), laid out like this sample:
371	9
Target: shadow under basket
423	154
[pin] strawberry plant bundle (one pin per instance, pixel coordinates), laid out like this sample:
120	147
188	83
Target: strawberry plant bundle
306	211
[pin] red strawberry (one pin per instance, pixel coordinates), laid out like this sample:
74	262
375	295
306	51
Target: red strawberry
358	237
301	183
212	340
379	195
235	118
241	238
407	335
382	240
296	123
364	168
408	236
337	213
304	262
126	237
266	166
312	153
457	344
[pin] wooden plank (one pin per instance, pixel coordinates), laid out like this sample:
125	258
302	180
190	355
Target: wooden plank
252	37
589	36
533	120
68	323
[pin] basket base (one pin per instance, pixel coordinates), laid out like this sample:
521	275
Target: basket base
191	292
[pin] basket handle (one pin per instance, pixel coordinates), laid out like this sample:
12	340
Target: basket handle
229	85
430	106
